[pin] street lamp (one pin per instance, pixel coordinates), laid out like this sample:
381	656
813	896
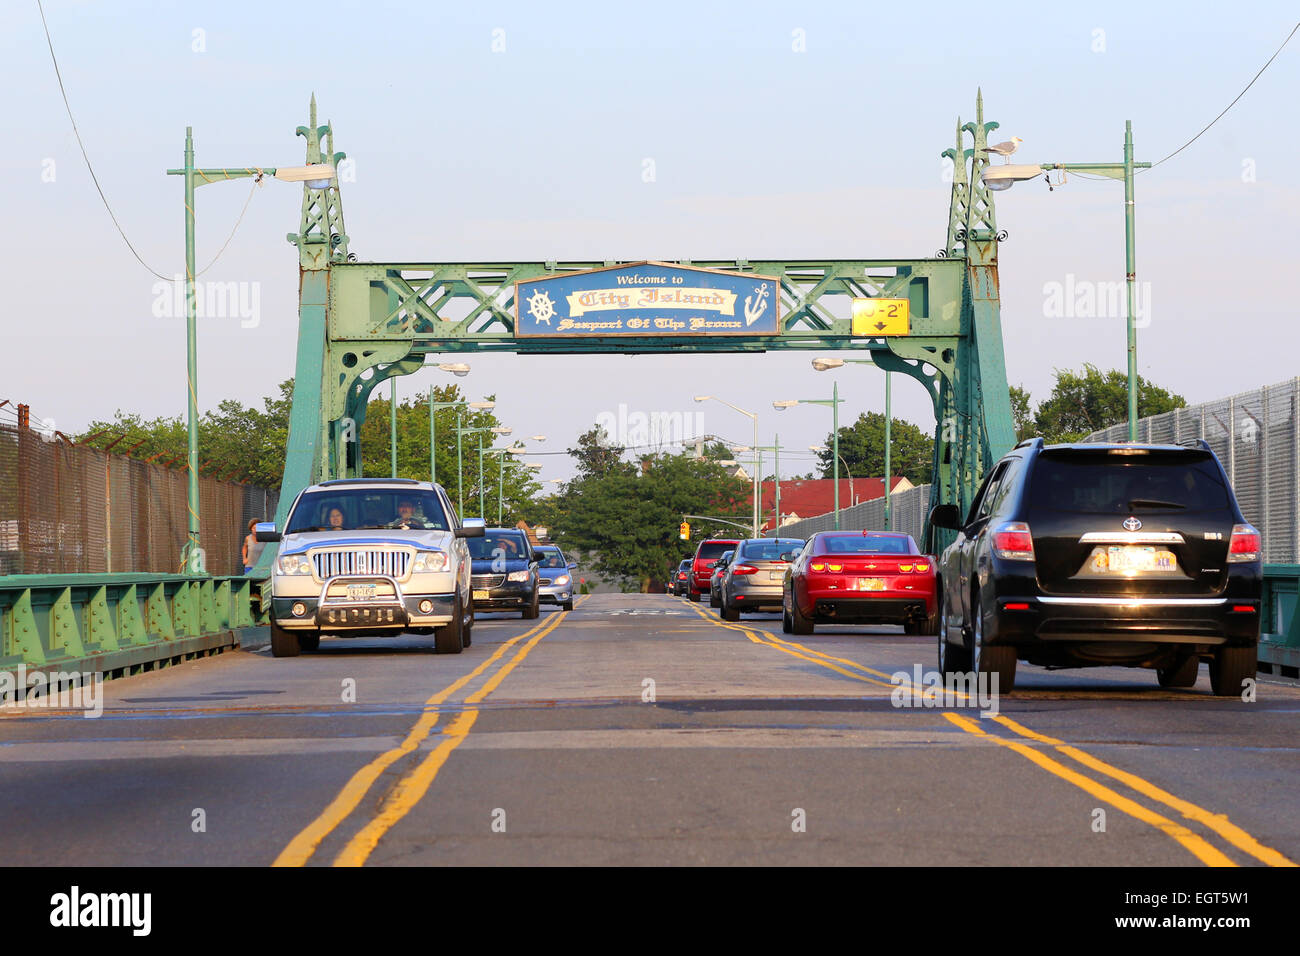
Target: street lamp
1004	177
460	469
825	365
834	402
754	417
316	176
460	370
852	495
433	408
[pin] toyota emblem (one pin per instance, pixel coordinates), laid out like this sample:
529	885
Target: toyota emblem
1131	523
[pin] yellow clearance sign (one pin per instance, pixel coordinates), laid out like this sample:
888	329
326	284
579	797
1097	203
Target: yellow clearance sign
881	317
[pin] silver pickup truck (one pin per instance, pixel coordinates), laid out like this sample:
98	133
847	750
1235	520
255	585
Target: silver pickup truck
371	556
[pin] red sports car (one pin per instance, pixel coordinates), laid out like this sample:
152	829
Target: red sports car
860	577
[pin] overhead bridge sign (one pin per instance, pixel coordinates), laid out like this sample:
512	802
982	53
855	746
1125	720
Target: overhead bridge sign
647	299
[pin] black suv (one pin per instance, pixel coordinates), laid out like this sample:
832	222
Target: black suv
1090	554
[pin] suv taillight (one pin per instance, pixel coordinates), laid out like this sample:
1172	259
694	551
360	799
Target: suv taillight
1013	542
1244	545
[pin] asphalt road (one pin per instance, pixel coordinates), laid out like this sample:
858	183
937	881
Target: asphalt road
640	729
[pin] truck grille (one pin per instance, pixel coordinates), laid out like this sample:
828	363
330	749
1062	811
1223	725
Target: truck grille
328	564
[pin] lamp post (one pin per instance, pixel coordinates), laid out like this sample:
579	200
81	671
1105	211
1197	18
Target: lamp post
460	477
1005	176
775	449
834	403
849	474
433	408
317	176
825	365
754	417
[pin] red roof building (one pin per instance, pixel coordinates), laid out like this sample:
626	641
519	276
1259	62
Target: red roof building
808	498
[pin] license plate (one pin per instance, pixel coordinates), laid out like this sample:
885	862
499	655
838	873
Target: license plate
871	584
1132	559
776	575
482	595
361	592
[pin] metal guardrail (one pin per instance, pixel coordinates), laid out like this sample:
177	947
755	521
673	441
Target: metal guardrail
117	624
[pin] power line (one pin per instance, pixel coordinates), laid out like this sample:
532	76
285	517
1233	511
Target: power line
1234	101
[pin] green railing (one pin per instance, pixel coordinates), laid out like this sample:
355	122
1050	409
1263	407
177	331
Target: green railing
118	624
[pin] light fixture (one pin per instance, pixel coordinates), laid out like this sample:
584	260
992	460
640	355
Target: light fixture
703	398
782	406
998	178
534	465
482	406
459	369
501	430
825	364
322	173
817	448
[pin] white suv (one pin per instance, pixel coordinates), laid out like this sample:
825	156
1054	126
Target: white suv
371	556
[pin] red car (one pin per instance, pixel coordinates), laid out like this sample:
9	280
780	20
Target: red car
860	577
706	556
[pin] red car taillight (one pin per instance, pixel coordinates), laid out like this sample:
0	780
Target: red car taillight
1013	542
744	569
1244	545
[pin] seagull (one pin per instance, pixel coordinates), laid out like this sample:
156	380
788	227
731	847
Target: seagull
1006	149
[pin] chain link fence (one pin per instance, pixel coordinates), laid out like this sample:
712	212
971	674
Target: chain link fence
69	509
908	510
1257	437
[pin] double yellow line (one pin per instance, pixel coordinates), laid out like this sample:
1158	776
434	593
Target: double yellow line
1198	846
416	782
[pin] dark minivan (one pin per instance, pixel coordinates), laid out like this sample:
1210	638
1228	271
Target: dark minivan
1090	555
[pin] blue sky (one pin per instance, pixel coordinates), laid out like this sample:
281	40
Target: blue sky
537	152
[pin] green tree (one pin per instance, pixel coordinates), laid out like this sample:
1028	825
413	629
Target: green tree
1022	415
862	446
1088	401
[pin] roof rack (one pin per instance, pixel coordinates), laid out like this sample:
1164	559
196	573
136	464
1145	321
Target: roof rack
1196	443
368	481
1035	442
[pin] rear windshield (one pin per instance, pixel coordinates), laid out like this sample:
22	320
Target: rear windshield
768	550
710	550
509	545
1123	484
866	544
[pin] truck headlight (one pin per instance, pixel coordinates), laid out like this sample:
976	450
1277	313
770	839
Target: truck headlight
517	576
295	564
429	561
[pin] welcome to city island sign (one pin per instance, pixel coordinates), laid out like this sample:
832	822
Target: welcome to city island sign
648	298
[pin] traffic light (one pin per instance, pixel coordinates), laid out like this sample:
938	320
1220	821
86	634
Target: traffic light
684	532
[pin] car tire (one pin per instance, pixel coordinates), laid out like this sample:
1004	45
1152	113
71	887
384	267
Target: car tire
713	600
727	611
450	638
694	596
787	626
533	610
567	606
1182	674
468	636
1230	667
798	623
953	659
284	643
309	640
995	659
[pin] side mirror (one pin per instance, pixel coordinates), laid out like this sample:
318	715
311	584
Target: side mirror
472	528
787	556
265	531
946	516
573	565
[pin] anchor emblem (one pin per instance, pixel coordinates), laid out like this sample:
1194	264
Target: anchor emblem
753	312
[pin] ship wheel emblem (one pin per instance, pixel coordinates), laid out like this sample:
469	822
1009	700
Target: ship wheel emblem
541	307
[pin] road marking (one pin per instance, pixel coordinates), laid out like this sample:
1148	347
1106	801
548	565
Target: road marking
302	846
1203	850
415	784
1197	846
1218	822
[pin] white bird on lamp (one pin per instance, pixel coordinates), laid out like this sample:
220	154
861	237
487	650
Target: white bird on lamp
1006	149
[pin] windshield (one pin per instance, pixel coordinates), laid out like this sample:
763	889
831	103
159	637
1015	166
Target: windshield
867	544
1115	484
499	545
358	509
551	558
768	549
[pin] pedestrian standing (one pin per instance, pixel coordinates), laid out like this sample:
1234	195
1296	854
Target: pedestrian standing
252	547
